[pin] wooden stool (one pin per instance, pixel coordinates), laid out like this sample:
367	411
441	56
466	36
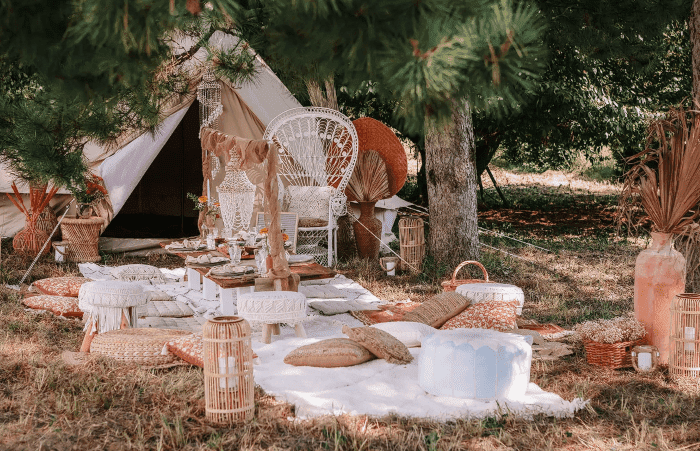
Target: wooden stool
109	305
271	308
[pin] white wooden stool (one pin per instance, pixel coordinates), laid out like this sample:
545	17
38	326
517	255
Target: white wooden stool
271	308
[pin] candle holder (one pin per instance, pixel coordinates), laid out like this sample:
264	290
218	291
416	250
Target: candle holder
645	358
684	343
228	370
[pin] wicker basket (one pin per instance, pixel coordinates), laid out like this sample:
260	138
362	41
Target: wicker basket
83	236
611	355
412	243
453	283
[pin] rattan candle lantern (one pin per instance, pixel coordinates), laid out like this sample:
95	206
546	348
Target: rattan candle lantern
412	243
684	344
228	370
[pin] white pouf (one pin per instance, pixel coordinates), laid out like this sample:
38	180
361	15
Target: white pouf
484	292
475	363
106	300
272	308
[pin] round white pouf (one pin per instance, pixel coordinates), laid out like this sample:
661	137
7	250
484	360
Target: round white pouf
484	292
475	363
106	300
273	308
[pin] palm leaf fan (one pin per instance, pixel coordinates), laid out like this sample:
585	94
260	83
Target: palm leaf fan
369	181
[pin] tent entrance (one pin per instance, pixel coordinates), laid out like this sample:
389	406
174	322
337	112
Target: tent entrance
158	207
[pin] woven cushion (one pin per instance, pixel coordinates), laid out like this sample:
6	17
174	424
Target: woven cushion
312	222
61	286
189	348
331	353
140	346
499	316
380	343
407	332
58	305
309	202
130	273
438	309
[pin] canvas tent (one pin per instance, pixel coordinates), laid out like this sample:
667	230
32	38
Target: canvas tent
140	170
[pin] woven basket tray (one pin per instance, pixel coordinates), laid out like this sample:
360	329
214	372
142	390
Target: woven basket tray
453	283
611	355
139	346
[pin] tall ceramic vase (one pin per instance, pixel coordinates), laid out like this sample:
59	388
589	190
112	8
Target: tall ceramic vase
367	229
659	275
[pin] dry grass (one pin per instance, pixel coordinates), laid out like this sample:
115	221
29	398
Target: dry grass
46	405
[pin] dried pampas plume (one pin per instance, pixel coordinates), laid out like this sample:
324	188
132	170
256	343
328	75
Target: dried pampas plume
369	181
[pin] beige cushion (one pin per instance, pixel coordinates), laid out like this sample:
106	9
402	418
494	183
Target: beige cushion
310	203
58	305
135	272
438	309
492	315
407	332
61	286
331	353
380	343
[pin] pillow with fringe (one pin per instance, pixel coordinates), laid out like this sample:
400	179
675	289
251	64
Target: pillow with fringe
380	343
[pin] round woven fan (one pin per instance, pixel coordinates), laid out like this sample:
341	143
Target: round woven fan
373	135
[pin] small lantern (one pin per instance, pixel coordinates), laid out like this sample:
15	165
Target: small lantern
645	358
228	370
389	264
684	343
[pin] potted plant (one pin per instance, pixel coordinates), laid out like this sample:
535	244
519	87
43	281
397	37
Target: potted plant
663	181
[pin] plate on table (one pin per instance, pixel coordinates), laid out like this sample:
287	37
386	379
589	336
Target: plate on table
229	271
213	261
299	259
186	249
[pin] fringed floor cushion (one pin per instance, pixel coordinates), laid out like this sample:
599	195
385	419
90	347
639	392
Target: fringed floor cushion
107	301
138	346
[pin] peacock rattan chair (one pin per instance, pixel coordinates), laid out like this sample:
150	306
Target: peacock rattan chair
317	154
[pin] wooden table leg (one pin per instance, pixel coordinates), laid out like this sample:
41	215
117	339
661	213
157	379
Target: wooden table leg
275	329
87	340
299	330
267	333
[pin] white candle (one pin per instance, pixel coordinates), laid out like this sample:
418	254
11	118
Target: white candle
689	335
228	382
390	269
208	191
644	361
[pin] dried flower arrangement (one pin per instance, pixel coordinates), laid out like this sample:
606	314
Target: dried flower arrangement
617	330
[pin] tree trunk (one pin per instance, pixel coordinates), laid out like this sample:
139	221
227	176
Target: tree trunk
452	187
695	43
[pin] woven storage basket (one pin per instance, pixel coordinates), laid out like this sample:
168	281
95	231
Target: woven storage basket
83	236
453	283
373	135
138	346
611	355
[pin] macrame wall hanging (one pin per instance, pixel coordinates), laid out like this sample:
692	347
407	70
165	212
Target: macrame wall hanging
236	196
209	97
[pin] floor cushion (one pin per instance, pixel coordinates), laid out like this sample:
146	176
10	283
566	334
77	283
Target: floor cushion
61	286
409	333
330	353
139	346
58	305
135	272
189	348
492	315
380	343
438	309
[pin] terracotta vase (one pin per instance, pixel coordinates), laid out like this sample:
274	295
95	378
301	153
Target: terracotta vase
367	242
659	275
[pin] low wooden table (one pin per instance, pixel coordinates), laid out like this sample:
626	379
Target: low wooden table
197	278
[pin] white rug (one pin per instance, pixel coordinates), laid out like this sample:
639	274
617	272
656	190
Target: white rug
379	388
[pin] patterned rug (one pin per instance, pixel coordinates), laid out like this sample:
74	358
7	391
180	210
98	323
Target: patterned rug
386	313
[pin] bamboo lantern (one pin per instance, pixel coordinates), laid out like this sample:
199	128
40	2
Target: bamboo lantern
684	344
411	242
228	370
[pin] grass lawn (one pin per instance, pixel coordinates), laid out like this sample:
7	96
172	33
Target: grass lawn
580	270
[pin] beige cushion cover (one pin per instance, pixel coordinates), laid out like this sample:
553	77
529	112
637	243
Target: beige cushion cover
310	203
61	286
380	343
58	305
438	309
331	353
492	315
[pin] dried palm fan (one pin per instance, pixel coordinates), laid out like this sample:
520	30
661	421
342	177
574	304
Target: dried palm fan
368	184
663	178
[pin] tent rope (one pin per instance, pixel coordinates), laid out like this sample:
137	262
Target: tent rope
48	240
